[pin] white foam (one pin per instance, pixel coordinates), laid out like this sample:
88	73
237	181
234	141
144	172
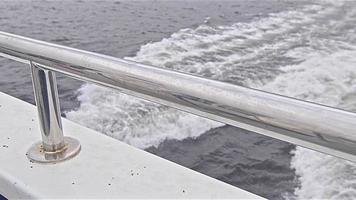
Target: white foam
308	53
210	51
327	75
331	80
134	121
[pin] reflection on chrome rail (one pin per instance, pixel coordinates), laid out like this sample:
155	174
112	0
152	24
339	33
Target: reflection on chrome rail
54	146
314	126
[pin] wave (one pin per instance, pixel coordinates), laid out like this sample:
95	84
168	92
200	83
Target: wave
134	121
331	80
233	53
308	53
327	75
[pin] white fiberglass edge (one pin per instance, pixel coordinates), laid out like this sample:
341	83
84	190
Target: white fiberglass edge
105	167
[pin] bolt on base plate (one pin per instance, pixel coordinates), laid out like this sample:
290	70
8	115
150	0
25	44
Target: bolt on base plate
36	152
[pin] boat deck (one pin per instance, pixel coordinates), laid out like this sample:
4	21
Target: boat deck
105	167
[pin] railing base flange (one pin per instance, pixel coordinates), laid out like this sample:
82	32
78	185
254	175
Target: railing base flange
36	153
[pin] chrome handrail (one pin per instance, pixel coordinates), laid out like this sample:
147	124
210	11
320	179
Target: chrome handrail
322	128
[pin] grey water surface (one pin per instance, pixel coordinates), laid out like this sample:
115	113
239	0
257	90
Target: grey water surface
119	28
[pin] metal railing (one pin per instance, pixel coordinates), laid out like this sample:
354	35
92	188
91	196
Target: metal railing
325	129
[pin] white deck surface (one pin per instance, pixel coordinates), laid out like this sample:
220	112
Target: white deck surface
105	167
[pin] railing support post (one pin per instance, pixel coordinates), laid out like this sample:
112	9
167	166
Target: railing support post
54	147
